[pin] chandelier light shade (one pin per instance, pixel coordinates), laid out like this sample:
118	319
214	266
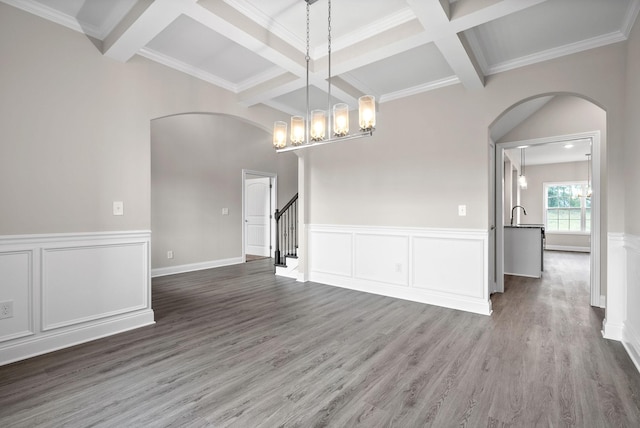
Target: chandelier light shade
318	125
367	112
297	130
279	134
341	120
324	126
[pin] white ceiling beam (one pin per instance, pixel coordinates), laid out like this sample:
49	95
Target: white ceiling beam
434	16
144	22
225	20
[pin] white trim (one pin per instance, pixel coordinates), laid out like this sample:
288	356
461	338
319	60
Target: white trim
33	346
410	274
183	67
418	89
613	324
568	248
631	325
59	238
631	343
603	301
630	17
53	15
571	48
192	267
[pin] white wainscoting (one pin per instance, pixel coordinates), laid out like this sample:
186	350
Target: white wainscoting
616	287
631	329
443	267
72	288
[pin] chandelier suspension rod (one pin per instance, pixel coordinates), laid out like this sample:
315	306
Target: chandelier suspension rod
307	58
329	115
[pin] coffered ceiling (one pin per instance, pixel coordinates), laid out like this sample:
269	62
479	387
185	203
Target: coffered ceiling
388	48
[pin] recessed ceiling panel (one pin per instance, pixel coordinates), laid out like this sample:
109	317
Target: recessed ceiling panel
289	16
408	69
200	47
548	25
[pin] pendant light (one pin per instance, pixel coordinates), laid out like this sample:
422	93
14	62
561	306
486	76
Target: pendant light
522	180
319	127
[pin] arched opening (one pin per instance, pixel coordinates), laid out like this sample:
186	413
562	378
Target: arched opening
563	137
199	163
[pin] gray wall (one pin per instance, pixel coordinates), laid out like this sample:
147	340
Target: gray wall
430	152
632	146
196	170
74	128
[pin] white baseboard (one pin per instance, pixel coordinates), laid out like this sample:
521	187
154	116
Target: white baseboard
567	248
443	267
33	346
289	271
612	331
631	342
191	267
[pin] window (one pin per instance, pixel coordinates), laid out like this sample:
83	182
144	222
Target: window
567	209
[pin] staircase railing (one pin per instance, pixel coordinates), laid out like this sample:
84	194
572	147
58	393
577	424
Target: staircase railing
286	232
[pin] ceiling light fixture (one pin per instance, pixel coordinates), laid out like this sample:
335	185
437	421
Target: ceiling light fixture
522	180
313	130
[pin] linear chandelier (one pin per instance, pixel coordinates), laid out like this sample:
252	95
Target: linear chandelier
318	124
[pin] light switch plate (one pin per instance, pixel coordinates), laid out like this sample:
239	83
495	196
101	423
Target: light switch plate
225	211
462	210
118	208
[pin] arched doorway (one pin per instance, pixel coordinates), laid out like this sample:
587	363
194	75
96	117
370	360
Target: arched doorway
540	122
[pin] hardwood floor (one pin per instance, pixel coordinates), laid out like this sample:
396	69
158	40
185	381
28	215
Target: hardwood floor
236	346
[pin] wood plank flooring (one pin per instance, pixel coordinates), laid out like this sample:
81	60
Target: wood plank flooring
239	347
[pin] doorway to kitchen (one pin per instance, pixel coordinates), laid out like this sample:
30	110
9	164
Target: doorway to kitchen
554	194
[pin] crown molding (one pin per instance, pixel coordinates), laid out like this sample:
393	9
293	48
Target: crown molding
260	78
429	86
630	17
571	48
188	69
50	14
53	15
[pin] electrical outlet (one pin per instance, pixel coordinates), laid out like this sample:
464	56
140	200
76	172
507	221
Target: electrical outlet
6	309
170	254
462	210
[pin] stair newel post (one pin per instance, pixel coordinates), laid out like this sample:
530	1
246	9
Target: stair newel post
276	253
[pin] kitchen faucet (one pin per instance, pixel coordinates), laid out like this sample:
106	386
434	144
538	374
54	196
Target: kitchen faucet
514	208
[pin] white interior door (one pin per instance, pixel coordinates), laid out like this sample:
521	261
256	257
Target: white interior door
257	204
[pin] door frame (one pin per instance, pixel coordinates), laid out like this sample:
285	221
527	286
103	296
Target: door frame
596	159
273	203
